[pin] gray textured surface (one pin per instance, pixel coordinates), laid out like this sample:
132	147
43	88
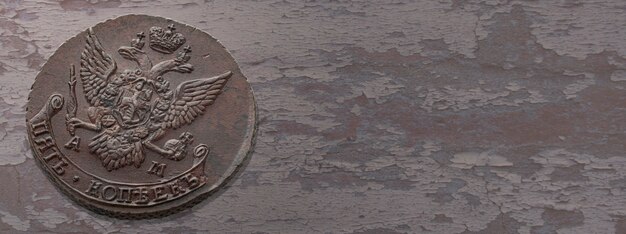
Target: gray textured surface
389	116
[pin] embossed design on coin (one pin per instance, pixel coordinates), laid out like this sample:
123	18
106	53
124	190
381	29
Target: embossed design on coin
121	110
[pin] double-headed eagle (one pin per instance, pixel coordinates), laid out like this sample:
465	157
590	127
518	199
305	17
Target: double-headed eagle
132	109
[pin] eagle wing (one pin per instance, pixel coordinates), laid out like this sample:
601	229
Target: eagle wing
96	66
191	99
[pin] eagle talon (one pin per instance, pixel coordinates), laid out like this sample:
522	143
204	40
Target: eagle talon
174	149
74	123
178	147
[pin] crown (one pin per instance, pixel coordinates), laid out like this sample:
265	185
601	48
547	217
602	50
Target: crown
165	40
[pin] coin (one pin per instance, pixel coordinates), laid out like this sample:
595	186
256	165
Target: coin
140	117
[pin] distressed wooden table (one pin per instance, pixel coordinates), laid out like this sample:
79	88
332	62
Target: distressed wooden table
389	116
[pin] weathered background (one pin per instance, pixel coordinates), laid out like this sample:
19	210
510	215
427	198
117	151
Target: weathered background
386	116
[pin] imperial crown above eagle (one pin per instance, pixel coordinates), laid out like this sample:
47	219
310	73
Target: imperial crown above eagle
132	109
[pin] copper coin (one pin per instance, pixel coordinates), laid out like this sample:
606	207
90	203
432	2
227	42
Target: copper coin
140	117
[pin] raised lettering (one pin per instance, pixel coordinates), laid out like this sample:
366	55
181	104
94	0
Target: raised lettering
39	128
159	193
93	189
175	188
109	193
124	195
44	143
142	195
192	181
157	168
58	167
73	144
51	156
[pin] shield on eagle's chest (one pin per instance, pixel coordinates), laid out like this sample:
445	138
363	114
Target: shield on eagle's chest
135	105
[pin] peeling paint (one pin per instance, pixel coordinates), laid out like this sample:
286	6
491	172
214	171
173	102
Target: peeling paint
468	160
481	116
14	221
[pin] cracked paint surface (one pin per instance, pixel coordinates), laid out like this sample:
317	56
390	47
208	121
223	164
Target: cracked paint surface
391	116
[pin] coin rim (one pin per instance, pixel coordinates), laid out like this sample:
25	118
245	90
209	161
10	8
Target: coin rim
183	203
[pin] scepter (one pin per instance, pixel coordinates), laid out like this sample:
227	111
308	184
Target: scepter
72	104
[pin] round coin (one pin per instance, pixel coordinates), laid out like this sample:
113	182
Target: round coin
140	117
